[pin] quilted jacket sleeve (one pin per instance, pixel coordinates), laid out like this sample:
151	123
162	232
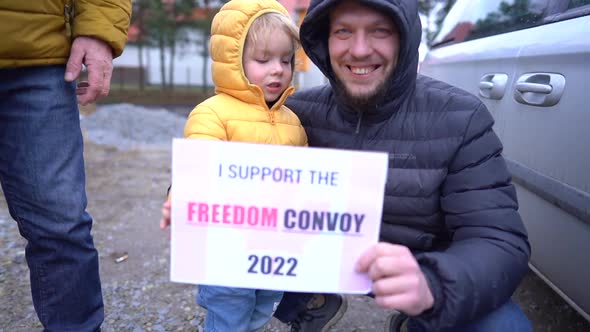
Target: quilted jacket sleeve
107	20
204	123
489	251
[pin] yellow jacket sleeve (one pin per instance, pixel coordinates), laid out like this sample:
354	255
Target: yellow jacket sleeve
107	20
204	123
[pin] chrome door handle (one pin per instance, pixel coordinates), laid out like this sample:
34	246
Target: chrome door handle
539	89
534	87
493	86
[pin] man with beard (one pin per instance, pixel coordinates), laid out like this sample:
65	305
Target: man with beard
453	247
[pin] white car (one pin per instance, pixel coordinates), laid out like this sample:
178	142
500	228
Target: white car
529	62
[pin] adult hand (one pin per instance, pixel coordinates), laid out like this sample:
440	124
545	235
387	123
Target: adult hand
97	56
165	221
398	281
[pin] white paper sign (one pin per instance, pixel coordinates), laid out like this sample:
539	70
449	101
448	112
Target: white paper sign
274	217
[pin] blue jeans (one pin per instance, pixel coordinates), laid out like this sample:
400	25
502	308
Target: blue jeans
508	318
42	176
237	309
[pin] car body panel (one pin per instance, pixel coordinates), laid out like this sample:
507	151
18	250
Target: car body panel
546	148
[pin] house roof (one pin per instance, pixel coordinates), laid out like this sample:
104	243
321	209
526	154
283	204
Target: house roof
294	5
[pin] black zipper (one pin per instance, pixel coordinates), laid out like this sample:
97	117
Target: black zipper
357	132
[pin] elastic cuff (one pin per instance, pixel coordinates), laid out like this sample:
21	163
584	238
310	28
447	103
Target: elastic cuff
436	291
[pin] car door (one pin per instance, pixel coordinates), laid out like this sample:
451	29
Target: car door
541	117
473	52
546	143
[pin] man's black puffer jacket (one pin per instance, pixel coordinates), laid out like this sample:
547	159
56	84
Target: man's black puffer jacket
449	196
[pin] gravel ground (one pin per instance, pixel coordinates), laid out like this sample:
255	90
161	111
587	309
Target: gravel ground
128	170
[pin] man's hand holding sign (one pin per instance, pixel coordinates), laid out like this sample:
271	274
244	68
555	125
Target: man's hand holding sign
274	217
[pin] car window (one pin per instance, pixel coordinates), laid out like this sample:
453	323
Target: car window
578	3
473	19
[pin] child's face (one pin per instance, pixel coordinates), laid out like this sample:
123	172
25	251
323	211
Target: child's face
268	65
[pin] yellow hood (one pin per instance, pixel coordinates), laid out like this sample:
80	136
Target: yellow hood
228	36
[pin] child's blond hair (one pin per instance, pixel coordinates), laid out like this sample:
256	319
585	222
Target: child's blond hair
263	27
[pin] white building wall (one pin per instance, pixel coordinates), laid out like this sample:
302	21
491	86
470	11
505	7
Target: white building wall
188	62
188	65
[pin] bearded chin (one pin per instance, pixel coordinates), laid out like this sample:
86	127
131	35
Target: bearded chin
359	102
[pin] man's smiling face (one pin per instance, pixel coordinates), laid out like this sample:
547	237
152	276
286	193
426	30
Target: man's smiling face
364	47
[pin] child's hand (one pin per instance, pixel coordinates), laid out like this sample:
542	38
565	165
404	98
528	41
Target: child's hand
165	221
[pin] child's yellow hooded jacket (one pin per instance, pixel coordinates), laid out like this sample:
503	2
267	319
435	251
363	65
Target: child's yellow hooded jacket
238	111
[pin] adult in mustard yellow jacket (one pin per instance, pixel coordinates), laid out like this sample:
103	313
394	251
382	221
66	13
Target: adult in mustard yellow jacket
43	45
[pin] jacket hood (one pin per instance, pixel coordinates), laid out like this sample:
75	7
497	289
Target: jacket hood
228	35
314	39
